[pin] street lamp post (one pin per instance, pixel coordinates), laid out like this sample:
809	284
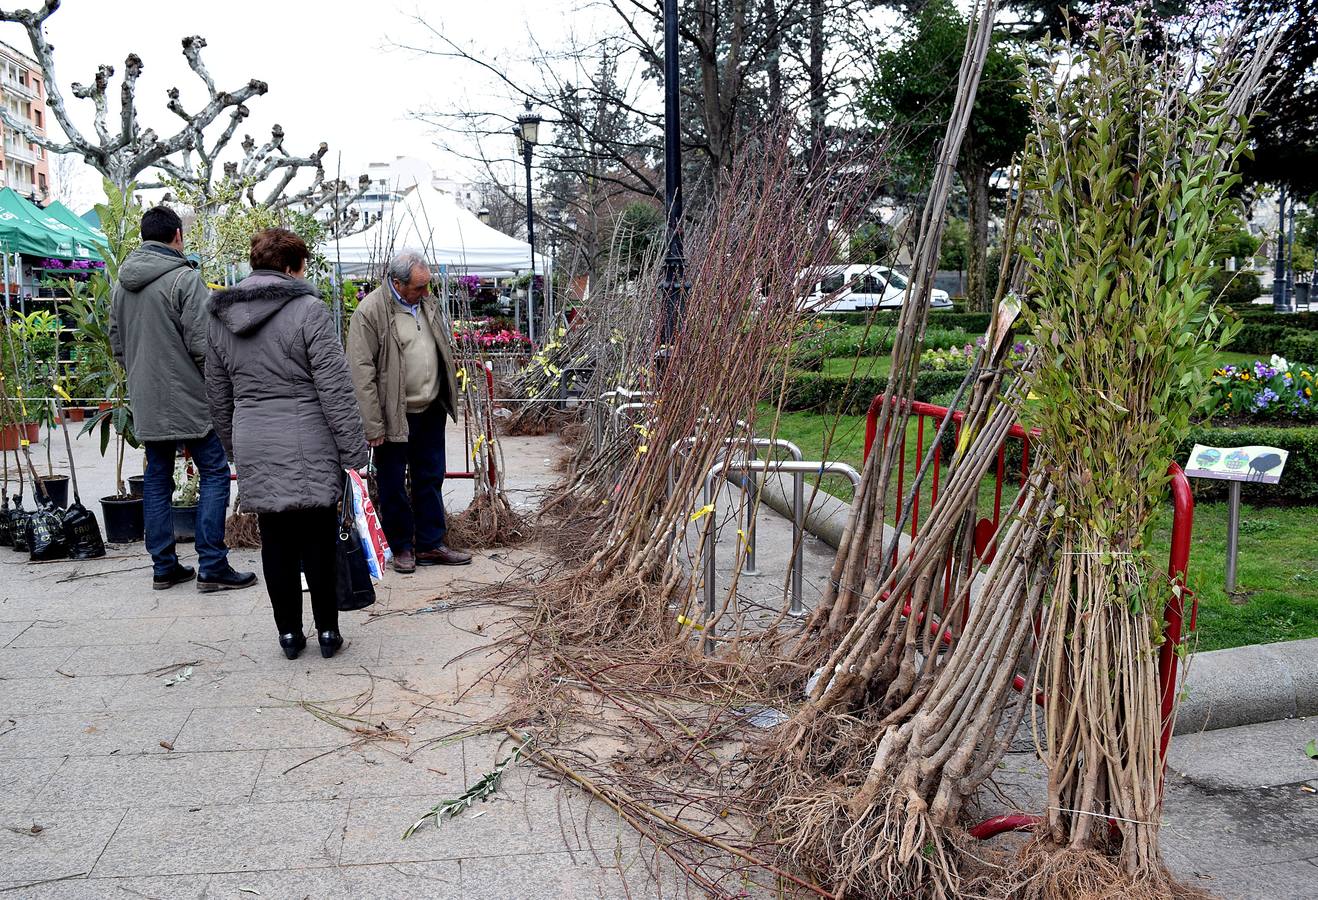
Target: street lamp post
528	135
1279	258
673	285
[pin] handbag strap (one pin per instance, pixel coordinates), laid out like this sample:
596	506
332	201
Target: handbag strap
346	514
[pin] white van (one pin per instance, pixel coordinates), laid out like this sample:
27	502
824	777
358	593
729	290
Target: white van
863	287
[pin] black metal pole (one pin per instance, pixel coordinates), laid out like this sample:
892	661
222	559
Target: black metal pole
530	238
1279	258
1290	258
674	281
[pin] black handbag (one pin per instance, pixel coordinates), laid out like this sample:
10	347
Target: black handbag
353	587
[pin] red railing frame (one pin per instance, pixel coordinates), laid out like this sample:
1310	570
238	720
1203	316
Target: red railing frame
1177	570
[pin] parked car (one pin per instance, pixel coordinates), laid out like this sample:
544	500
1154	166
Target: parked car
863	287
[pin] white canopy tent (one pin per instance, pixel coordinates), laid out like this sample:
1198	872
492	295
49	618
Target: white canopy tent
454	240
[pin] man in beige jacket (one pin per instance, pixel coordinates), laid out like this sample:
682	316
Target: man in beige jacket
401	356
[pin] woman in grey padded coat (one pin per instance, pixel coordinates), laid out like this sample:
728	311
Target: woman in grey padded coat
283	405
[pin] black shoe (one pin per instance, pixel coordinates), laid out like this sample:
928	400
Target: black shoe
292	644
177	575
227	580
330	642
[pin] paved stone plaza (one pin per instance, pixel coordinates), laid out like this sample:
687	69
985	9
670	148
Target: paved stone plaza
158	744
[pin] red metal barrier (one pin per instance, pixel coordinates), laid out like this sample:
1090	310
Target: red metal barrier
985	529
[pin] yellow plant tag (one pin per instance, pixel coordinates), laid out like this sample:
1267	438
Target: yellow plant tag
476	447
63	393
702	512
690	623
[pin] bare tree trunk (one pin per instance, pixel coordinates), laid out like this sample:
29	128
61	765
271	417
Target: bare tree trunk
818	99
976	180
774	65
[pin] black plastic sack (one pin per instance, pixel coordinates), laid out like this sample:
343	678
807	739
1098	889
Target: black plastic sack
82	533
353	577
18	517
45	534
6	527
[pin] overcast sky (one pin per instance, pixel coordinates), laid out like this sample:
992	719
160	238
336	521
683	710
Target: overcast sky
332	70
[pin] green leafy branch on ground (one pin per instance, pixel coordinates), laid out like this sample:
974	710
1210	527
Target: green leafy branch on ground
482	790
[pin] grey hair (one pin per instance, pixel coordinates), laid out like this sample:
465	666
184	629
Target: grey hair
403	264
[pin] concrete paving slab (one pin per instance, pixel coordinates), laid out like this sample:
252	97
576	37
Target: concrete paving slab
93	632
226	838
22	779
32	662
11	630
152	779
1222	760
93	692
66	842
1293	879
58	734
208	686
374	769
183	887
160	661
437	879
273	727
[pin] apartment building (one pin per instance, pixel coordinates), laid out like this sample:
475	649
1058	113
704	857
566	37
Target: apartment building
23	165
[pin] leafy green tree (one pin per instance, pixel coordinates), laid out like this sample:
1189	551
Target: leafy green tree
872	243
638	234
912	89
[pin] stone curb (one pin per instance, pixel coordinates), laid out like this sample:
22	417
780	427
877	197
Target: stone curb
1224	688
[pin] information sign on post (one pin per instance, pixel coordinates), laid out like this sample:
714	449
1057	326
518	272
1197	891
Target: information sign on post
1236	465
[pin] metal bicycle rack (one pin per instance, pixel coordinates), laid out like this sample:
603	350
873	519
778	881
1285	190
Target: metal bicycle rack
606	402
732	443
796	467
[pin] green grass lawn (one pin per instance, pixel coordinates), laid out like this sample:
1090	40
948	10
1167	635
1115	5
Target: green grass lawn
1277	581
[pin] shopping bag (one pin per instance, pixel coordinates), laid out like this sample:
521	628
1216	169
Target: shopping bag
367	526
353	589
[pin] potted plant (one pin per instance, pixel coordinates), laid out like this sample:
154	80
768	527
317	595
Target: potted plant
188	480
89	310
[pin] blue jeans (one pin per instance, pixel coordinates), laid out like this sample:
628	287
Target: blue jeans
213	504
415	522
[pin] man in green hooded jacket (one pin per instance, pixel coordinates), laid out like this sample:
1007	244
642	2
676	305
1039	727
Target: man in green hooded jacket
158	325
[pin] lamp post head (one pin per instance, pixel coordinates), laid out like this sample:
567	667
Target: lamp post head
484	215
528	125
521	144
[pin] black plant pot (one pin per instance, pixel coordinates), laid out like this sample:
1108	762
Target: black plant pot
57	489
185	524
123	519
135	485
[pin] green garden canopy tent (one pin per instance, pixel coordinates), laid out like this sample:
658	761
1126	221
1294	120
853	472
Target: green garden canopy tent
59	211
26	228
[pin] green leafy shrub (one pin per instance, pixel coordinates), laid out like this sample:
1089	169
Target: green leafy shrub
1233	288
1298	345
1299	480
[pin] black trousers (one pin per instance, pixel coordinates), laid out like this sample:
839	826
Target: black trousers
300	540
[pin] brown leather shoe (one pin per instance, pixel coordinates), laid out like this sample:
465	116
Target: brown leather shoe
404	562
443	556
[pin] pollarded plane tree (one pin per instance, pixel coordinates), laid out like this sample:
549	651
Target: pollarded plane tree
122	151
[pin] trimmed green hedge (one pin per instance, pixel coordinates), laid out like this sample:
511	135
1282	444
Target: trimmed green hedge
1298	345
975	322
831	394
1299	480
1305	321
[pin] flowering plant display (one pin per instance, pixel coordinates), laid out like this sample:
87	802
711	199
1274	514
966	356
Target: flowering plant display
1276	389
488	333
955	358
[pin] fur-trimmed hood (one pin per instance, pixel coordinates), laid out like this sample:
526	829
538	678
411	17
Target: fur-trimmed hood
244	308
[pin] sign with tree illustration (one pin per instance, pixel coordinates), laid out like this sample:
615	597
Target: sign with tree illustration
1261	465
